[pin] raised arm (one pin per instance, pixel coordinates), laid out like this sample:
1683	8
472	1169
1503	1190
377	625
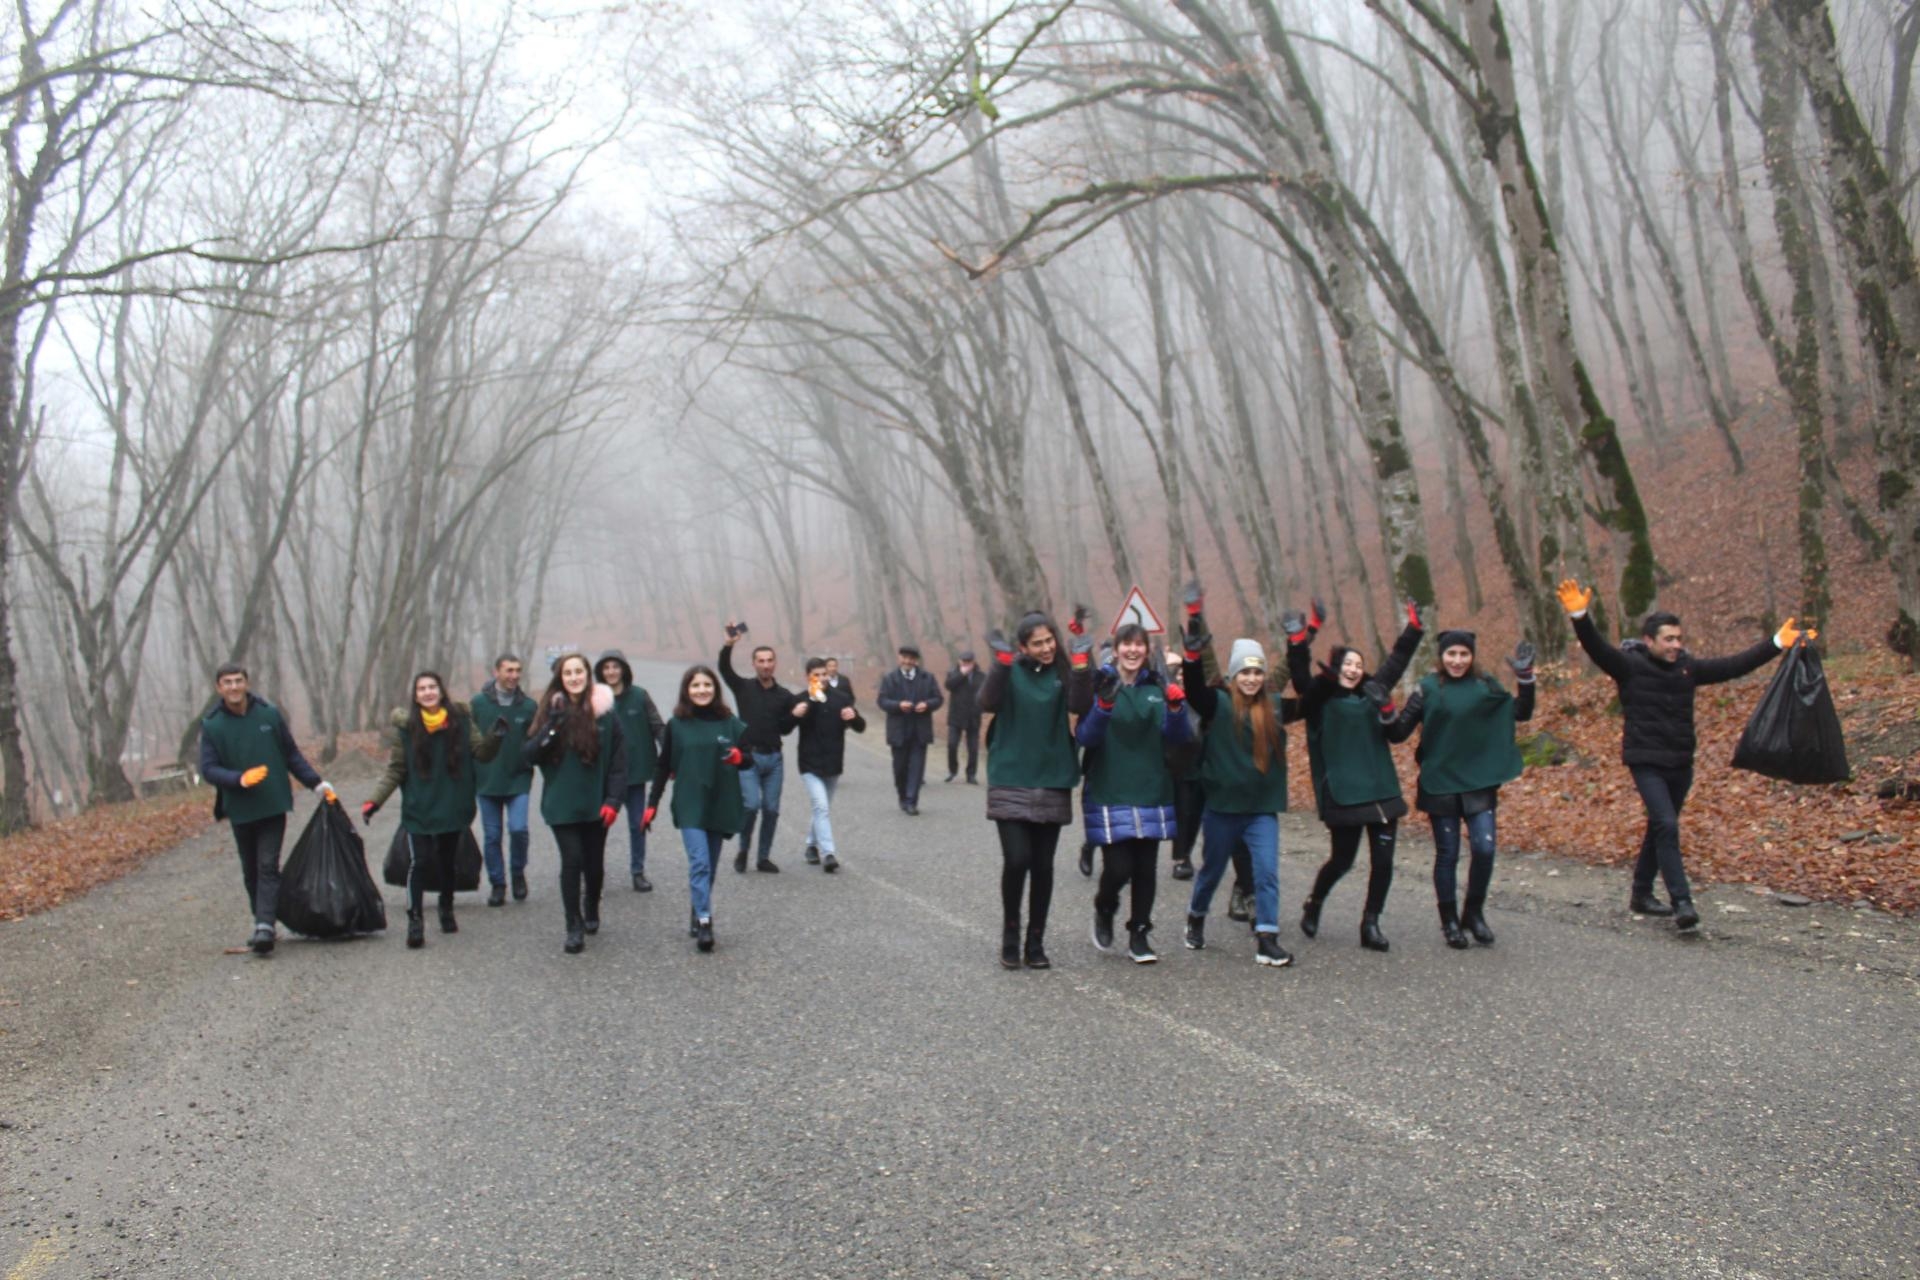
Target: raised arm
1395	664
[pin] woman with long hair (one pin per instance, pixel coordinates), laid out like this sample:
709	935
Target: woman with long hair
577	741
1127	802
700	754
1467	753
1031	772
1350	722
431	753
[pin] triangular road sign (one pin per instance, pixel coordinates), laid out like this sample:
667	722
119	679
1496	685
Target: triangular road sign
1136	609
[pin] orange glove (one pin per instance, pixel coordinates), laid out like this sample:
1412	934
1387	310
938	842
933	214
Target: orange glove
1574	598
254	776
1789	635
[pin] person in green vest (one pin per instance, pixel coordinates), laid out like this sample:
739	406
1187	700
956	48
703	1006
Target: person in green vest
503	783
1126	804
432	750
1350	722
1031	771
1466	753
1243	777
702	754
641	724
248	754
577	741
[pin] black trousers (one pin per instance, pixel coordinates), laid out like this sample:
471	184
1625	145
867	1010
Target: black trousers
436	851
583	857
1026	862
1346	846
1189	804
909	771
1664	793
971	733
1134	863
258	844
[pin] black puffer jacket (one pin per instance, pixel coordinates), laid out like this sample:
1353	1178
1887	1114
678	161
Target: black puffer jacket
1657	697
823	734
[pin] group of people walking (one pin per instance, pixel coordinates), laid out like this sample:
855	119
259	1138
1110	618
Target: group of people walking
1167	747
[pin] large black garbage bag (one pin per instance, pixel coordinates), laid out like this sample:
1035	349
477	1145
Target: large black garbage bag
325	888
466	865
1794	734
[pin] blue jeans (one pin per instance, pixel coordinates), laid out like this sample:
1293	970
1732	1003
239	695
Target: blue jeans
515	809
702	848
636	833
1446	855
1260	832
820	792
760	795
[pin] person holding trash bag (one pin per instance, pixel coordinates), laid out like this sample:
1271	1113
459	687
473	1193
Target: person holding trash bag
1350	722
641	726
248	753
325	889
1031	771
1794	733
1657	677
1466	753
703	754
1127	799
577	741
503	784
431	755
1243	773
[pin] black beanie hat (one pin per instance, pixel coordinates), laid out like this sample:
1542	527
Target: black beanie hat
1448	639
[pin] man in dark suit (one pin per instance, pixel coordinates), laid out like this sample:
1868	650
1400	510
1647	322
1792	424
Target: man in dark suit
964	683
909	696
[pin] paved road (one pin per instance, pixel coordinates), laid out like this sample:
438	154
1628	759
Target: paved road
850	1086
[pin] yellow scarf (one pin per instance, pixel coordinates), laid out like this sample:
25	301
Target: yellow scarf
435	720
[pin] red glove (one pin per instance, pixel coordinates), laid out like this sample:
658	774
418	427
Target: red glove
1078	624
1176	696
607	814
367	811
1413	616
646	819
733	757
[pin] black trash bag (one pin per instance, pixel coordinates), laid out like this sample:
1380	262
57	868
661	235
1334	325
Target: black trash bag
1794	734
466	865
325	888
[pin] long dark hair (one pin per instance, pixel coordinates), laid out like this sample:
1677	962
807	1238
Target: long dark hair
684	708
420	741
579	734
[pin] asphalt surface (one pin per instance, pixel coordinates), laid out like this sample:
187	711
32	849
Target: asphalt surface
851	1086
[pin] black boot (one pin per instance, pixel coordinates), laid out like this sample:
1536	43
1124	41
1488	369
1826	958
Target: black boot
497	896
1310	917
576	941
1010	947
1643	903
1183	868
1684	916
1036	955
1474	920
1086	858
416	929
1370	936
703	935
447	923
1450	926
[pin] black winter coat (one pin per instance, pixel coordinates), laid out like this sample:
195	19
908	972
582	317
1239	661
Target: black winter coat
963	698
823	734
1657	697
898	693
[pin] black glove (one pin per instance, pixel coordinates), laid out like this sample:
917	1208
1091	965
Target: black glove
1001	646
1381	697
1294	623
1196	638
499	729
1106	687
1522	660
1194	599
1416	703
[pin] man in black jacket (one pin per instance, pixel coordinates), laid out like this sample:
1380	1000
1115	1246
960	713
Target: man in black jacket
963	716
1657	678
824	713
767	708
909	696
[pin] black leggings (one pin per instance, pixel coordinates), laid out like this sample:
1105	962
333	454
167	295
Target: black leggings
583	852
1346	846
435	851
1128	862
1026	853
1189	803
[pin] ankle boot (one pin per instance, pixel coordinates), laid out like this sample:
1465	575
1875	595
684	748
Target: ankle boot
1010	947
1450	926
1310	917
447	923
416	928
1036	956
1370	936
1473	919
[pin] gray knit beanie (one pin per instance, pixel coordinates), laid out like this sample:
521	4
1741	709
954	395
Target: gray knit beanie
1246	653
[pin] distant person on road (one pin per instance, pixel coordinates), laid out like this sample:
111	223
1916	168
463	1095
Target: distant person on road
824	714
581	749
909	696
1031	773
504	783
1350	723
248	754
701	754
1657	677
641	726
764	705
1467	753
1127	800
963	685
433	748
834	679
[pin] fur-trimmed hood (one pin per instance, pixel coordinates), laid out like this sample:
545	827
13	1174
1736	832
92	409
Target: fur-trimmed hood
601	697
